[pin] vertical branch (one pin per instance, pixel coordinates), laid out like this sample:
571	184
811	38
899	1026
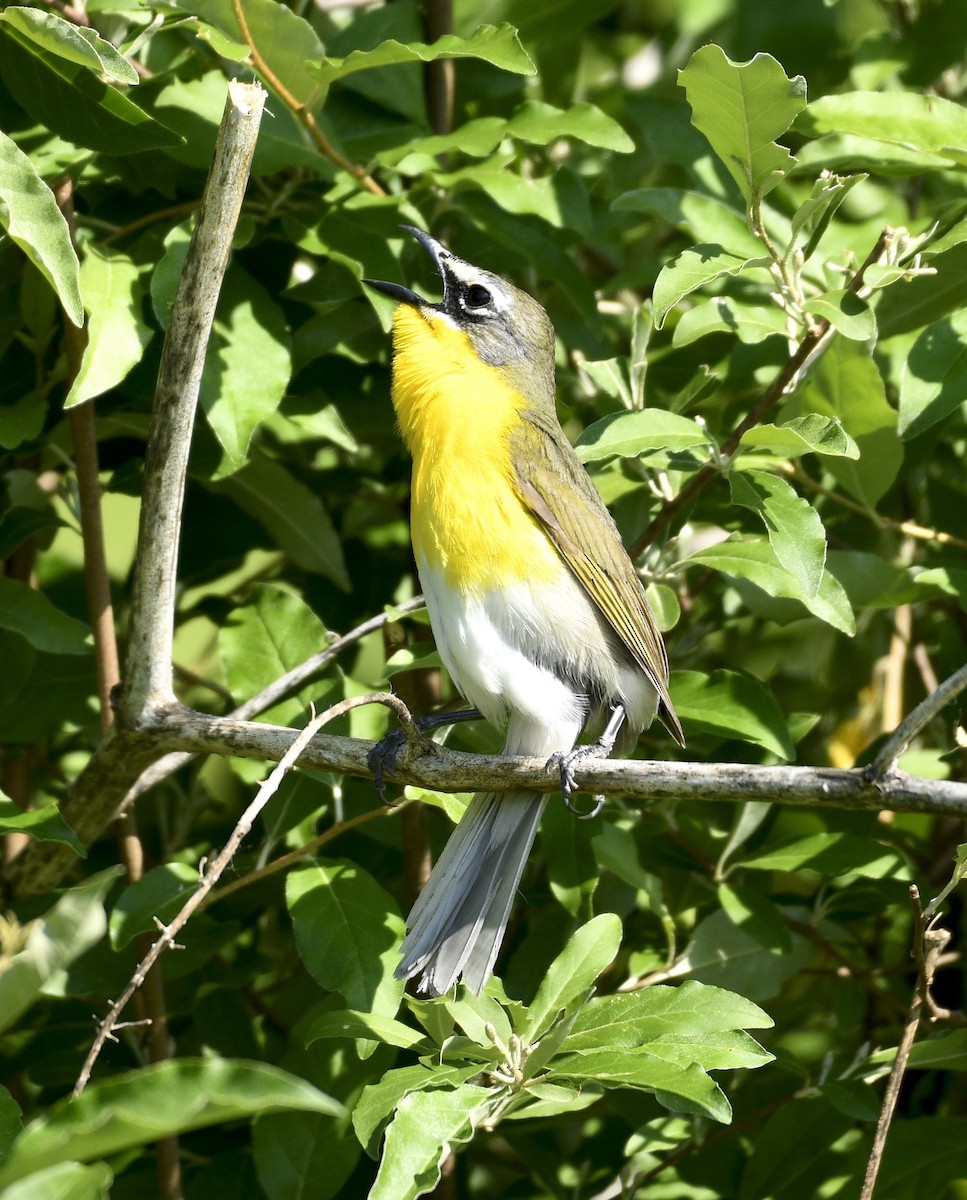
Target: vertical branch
439	75
148	671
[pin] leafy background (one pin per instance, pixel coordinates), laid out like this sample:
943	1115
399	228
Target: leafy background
681	232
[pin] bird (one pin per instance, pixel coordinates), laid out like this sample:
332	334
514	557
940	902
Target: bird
536	609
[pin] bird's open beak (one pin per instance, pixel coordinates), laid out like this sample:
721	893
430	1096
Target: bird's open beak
436	250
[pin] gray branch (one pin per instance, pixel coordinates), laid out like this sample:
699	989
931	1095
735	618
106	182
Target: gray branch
148	671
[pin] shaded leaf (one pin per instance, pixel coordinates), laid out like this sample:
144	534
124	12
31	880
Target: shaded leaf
927	123
348	931
848	313
28	612
732	704
349	1024
73	925
44	823
934	379
704	218
160	893
63	1181
143	1106
831	854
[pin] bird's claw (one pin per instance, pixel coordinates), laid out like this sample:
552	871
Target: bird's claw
382	759
565	764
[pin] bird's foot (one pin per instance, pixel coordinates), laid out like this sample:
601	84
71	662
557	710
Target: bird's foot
566	763
382	759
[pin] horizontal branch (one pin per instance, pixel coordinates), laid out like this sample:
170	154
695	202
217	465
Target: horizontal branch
448	770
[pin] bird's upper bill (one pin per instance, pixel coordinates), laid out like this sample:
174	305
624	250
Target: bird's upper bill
438	252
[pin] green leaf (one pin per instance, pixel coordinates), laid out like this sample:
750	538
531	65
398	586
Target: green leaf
142	1107
263	639
427	1125
498	45
560	199
379	1100
287	43
63	1181
68	99
946	1051
926	123
10	1123
754	912
703	218
588	952
681	1088
811	219
802	435
846	384
571	868
934	379
794	527
752	558
871	581
77	43
116	331
29	213
742	108
291	513
348	932
848	313
728	956
247	367
345	1023
629	435
751	324
541	123
160	893
22	420
299	1155
72	926
44	823
921	301
831	854
694	268
732	704
28	612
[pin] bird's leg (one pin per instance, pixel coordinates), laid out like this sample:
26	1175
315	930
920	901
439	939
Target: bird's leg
598	749
382	758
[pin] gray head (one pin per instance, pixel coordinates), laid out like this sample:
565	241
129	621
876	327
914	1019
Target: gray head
507	328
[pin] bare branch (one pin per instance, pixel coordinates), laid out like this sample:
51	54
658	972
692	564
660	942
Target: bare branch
908	729
148	673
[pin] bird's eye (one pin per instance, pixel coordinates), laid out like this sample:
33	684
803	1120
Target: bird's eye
477	296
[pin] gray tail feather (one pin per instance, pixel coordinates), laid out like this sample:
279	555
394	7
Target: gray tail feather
457	924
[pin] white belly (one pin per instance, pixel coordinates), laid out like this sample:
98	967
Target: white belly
529	657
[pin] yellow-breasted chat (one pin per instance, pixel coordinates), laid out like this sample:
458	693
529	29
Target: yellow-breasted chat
535	606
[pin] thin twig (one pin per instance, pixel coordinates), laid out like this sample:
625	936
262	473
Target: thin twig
299	109
928	945
908	729
787	376
209	876
148	672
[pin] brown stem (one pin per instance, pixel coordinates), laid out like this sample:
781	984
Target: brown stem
438	77
152	1008
773	394
299	109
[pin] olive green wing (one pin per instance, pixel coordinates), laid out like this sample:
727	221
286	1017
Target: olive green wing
555	487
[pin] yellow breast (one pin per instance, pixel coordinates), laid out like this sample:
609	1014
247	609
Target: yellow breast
456	414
